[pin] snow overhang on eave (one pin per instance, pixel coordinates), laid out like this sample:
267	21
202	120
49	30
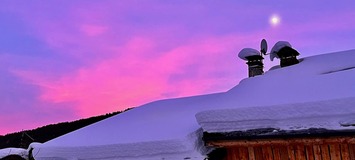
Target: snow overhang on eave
272	134
331	115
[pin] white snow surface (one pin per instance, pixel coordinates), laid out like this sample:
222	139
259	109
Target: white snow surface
331	114
13	151
276	48
246	52
318	88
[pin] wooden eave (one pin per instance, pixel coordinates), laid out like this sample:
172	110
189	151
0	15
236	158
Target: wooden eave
305	137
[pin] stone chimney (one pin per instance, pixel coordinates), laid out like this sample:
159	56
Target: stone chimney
284	51
254	61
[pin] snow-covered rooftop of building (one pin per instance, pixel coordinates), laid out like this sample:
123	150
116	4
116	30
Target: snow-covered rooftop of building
276	48
336	114
13	151
168	129
247	52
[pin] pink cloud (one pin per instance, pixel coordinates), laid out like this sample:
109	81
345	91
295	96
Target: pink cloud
93	30
120	72
133	79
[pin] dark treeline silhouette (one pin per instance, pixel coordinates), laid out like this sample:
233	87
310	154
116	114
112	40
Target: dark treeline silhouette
48	132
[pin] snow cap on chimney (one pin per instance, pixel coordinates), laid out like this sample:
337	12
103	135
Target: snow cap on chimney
255	61
247	52
284	51
279	45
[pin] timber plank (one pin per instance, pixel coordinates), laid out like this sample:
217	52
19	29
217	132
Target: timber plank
283	153
291	152
300	152
258	153
352	151
325	152
317	152
231	154
276	152
243	153
309	152
344	148
235	154
334	150
267	153
251	153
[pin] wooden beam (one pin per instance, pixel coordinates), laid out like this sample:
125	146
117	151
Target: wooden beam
283	152
344	151
317	152
267	153
251	153
291	152
276	153
300	152
325	152
294	141
352	151
243	153
258	153
335	151
309	152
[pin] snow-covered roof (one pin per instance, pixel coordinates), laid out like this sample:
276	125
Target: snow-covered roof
276	48
13	151
336	114
318	87
247	52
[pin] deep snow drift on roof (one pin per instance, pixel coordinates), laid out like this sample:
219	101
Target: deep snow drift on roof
335	114
168	128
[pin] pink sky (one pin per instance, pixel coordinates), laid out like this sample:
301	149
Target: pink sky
65	60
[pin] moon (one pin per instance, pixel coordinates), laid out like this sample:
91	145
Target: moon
275	20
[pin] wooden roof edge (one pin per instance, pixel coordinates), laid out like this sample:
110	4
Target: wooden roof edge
269	136
283	142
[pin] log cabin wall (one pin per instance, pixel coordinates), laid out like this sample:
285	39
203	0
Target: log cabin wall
293	152
299	149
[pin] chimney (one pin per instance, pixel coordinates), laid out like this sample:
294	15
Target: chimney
254	61
284	51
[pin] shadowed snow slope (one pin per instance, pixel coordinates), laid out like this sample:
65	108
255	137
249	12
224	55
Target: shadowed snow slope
168	129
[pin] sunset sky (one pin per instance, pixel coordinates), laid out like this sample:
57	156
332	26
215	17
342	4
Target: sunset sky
66	60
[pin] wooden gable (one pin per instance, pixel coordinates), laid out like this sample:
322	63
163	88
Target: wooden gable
318	147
